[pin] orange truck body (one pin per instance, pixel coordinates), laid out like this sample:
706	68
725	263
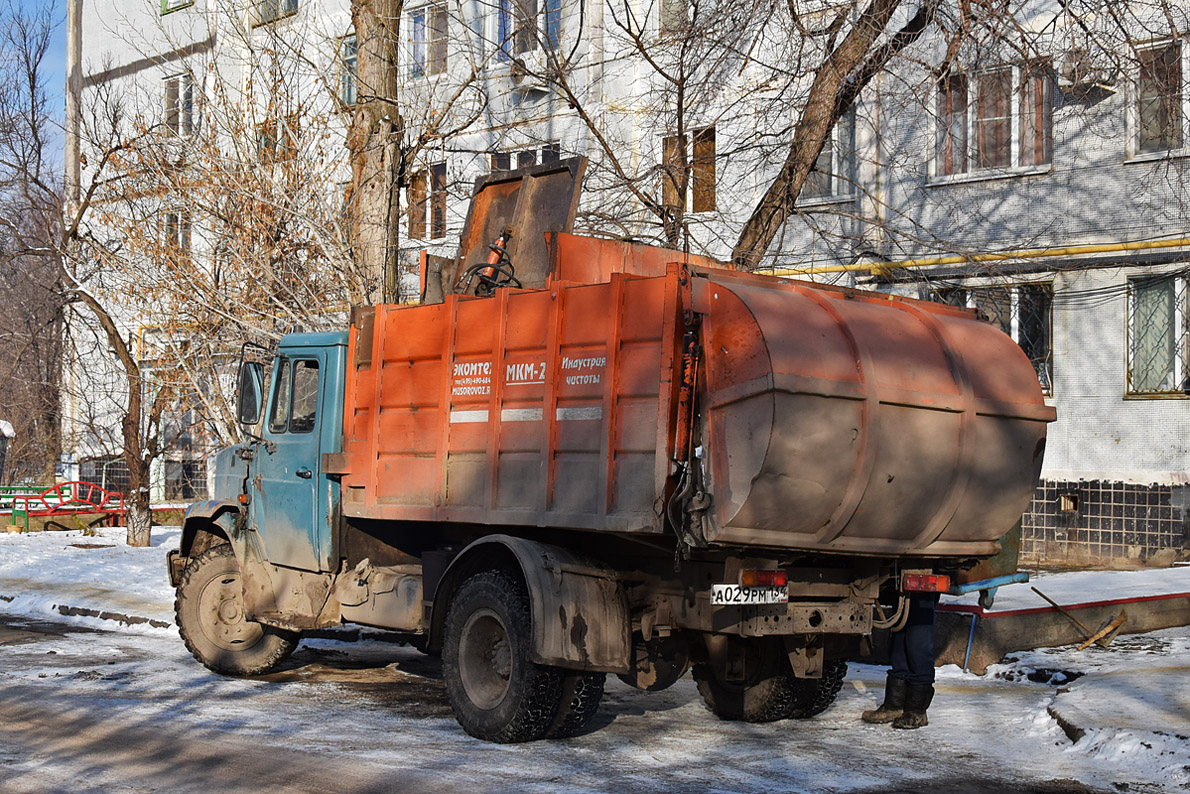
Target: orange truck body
827	420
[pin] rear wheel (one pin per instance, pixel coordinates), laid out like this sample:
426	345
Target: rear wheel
497	692
209	609
764	692
815	695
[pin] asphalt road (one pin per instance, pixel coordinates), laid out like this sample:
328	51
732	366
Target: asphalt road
86	712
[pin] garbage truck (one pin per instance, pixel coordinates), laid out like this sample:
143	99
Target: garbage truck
579	456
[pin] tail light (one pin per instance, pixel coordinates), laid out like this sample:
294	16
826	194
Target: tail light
768	578
925	583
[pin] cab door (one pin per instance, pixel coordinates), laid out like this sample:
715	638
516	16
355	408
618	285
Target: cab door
286	474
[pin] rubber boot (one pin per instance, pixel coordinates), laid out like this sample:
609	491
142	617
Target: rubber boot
895	690
917	700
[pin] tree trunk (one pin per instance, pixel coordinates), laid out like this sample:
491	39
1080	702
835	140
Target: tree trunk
139	518
374	149
838	83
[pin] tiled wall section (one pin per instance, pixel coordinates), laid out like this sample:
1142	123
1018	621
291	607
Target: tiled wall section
1115	524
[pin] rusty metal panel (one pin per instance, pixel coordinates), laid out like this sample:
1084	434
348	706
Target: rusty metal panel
533	201
592	260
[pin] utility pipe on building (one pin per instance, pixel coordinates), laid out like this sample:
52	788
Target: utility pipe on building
961	259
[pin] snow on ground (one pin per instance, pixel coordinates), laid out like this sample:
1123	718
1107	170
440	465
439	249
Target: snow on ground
41	571
384	704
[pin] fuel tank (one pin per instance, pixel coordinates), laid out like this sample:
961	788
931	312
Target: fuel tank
847	421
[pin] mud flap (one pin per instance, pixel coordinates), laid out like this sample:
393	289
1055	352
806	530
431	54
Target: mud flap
580	613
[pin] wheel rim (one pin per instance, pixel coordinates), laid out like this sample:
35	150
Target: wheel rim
221	614
485	659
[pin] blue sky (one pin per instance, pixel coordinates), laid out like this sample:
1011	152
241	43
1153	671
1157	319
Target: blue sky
55	59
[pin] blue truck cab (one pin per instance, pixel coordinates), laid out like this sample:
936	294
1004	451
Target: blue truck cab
272	499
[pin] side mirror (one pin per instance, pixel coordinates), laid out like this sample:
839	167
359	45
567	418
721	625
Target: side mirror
250	392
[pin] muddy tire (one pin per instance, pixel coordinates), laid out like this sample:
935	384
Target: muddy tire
766	694
497	692
578	703
209	610
815	695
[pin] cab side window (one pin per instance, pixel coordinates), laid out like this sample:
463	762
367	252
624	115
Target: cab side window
279	417
305	396
295	401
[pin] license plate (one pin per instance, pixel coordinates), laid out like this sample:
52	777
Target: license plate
723	594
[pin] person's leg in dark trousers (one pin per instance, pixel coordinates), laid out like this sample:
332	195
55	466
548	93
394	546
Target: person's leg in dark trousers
909	687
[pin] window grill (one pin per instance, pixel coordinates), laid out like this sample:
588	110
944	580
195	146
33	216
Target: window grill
1023	311
185	480
109	473
1157	327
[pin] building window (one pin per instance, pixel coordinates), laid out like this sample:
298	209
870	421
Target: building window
348	70
833	174
994	119
417	195
179	104
174	5
271	10
437	201
185	480
551	24
175	233
673	16
1157	327
504	29
427	202
1159	112
548	153
688	171
276	139
950	156
427	36
1036	94
519	23
1023	311
524	35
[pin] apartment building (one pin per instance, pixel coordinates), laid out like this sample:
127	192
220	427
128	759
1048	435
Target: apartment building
1048	190
1041	184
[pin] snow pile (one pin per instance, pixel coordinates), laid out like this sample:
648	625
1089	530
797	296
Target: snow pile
1127	704
44	573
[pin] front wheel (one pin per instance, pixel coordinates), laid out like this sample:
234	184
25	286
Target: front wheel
495	689
579	701
209	609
